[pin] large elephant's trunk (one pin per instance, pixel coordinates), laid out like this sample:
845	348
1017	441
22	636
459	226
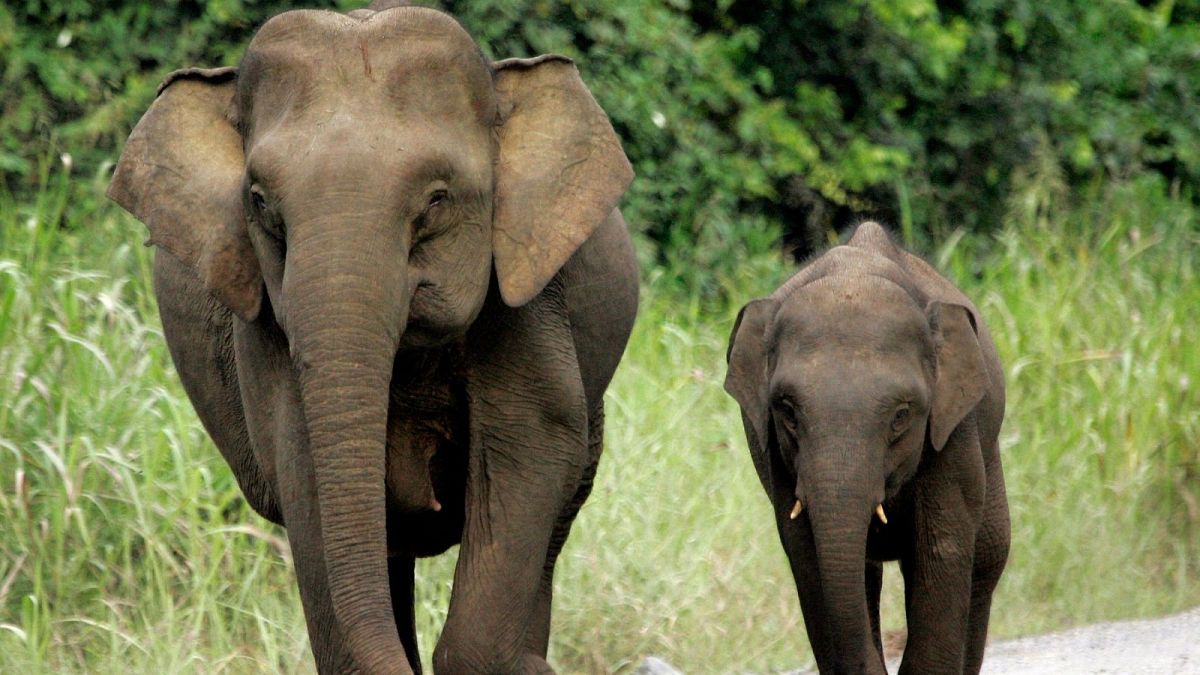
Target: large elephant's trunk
346	314
839	509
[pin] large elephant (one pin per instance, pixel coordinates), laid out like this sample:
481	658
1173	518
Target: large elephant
395	285
872	397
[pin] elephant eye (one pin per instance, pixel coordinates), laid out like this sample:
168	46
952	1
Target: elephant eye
437	197
257	199
900	420
261	213
789	414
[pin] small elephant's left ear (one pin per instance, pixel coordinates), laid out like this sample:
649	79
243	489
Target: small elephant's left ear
961	375
560	173
746	375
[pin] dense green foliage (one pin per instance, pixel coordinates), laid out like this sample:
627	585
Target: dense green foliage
125	545
741	118
943	104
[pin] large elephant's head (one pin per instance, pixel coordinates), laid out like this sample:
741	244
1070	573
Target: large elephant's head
845	378
368	172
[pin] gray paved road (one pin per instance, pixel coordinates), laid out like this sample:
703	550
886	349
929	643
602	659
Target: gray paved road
1166	646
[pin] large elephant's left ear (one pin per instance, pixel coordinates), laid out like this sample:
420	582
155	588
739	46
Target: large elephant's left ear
181	175
962	377
560	173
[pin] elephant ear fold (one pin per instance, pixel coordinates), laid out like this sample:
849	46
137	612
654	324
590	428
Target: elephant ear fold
961	375
181	175
560	173
746	375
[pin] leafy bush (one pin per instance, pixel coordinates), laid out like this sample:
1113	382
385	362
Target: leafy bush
668	89
76	75
926	111
739	117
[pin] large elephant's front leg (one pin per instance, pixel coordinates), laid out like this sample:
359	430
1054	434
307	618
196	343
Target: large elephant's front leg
199	333
529	449
537	639
874	579
401	580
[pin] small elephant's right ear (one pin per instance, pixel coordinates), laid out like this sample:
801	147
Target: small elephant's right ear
962	376
746	376
181	175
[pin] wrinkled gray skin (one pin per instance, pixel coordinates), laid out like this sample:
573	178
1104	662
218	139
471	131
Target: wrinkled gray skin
869	379
395	285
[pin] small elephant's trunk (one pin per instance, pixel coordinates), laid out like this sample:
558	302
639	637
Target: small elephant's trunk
841	561
345	320
840	507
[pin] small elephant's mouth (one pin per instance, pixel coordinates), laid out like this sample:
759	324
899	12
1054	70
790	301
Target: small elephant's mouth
878	512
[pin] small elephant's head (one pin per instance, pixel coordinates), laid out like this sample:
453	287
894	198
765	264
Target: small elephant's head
845	379
366	176
858	376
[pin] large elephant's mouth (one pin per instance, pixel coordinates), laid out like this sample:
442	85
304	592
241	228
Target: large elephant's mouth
427	443
424	531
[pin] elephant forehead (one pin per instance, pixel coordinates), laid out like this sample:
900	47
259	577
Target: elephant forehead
852	311
828	382
313	30
408	61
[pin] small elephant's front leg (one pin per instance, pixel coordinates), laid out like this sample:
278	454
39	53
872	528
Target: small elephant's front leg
874	580
991	554
938	570
529	449
937	595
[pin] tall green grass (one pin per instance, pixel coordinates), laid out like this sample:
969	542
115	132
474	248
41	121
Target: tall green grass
125	546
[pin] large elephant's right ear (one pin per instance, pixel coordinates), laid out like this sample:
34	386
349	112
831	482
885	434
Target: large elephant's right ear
181	175
560	173
746	375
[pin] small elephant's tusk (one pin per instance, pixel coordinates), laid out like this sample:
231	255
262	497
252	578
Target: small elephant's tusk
796	510
879	512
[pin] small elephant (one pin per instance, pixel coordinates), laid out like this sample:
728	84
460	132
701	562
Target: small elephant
872	396
395	284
